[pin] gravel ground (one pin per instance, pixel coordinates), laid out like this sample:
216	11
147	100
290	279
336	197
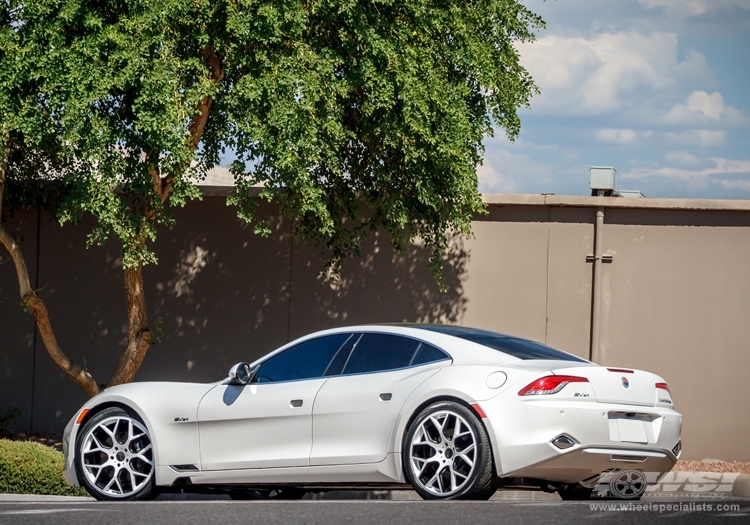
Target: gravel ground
737	467
711	465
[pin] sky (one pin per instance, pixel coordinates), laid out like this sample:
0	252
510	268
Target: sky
658	89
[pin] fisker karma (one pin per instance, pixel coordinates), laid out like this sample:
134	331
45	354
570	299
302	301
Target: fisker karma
450	412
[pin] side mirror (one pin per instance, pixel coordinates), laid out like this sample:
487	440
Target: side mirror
242	374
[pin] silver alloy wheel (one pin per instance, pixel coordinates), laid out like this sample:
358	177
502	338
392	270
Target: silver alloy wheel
628	484
117	456
443	452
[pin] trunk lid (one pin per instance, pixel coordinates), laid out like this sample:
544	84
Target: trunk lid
618	385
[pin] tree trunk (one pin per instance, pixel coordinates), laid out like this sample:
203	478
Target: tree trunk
32	300
139	335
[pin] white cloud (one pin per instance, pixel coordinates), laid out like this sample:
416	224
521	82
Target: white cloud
736	184
505	171
694	7
699	137
682	158
621	136
710	105
702	108
492	180
605	73
721	167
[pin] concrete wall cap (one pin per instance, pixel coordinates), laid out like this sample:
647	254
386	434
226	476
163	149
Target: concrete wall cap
501	199
521	199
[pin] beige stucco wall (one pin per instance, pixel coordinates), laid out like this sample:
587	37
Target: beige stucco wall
675	298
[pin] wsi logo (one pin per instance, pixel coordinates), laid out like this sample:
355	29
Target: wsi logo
626	484
694	482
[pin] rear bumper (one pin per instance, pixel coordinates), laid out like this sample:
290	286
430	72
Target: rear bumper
522	432
586	464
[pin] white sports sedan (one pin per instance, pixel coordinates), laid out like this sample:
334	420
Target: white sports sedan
452	412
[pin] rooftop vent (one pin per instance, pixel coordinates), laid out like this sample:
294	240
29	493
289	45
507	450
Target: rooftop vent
631	194
603	181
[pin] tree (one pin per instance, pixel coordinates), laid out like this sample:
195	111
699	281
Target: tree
351	115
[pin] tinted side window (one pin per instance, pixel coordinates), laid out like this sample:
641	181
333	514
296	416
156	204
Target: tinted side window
306	360
337	365
378	352
428	354
525	349
514	346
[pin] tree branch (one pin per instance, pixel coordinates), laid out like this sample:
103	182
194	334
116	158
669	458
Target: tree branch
5	138
198	122
29	296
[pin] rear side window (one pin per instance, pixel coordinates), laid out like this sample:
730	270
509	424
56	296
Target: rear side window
427	354
306	360
525	349
381	352
514	346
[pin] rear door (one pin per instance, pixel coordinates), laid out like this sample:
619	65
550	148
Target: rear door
356	409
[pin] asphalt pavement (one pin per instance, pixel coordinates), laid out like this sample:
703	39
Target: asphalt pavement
699	498
364	512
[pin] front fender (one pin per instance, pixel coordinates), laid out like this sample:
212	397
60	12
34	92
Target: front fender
169	411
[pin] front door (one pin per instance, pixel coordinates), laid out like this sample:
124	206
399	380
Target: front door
267	423
258	425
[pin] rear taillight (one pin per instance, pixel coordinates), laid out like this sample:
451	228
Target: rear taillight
550	385
663	386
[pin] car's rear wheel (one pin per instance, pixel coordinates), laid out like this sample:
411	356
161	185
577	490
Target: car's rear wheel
447	454
115	456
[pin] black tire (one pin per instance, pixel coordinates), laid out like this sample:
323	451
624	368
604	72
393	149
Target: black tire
436	460
127	464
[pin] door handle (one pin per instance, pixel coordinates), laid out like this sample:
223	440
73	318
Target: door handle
386	397
296	403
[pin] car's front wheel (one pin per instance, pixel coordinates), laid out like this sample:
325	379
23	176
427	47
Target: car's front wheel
447	454
115	456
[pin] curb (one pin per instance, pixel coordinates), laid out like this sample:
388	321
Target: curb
43	498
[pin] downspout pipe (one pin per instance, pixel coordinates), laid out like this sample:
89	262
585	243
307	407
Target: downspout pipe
595	350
